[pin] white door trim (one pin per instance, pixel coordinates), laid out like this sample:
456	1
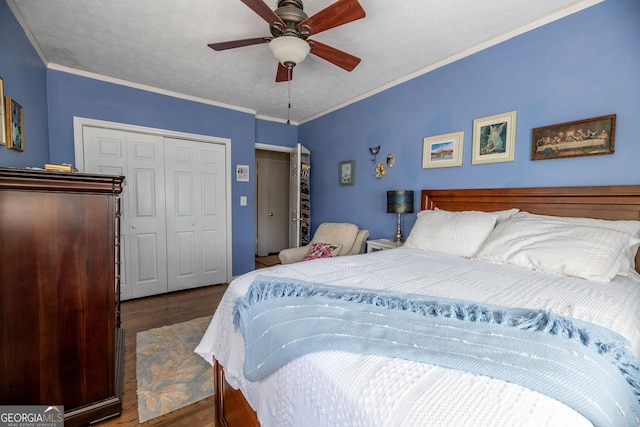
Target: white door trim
270	147
80	122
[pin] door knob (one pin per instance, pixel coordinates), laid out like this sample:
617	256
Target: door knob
270	214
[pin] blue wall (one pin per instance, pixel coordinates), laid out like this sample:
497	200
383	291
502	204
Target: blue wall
582	66
275	133
585	65
25	80
71	95
52	98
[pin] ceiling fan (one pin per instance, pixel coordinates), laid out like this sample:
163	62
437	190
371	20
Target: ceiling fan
290	31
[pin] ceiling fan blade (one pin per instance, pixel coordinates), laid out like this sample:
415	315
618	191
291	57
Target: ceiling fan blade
283	74
339	13
265	12
238	43
335	56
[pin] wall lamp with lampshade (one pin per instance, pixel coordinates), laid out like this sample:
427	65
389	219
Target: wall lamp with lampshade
399	201
374	152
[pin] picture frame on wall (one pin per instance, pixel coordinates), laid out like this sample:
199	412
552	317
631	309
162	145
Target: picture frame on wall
588	137
242	173
346	172
494	138
441	151
3	120
15	124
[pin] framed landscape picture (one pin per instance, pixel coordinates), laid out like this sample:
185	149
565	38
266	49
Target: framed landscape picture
442	151
494	138
589	137
15	124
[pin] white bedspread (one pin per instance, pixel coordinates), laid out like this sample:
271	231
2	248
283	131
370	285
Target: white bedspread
342	389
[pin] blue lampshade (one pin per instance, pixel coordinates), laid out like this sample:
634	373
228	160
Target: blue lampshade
400	201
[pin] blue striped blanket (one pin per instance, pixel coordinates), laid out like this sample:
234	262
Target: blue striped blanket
583	365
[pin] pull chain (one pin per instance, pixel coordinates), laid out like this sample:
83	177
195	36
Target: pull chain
288	94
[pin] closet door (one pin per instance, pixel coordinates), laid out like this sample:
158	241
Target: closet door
146	215
196	213
140	158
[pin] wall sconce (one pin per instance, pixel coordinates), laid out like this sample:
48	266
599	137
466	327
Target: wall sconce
374	152
399	201
380	170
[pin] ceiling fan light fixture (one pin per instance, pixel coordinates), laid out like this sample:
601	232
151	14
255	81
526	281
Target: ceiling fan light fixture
289	50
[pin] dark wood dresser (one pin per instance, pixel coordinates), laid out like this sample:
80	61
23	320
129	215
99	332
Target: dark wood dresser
60	336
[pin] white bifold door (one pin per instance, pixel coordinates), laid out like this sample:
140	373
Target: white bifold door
196	234
174	208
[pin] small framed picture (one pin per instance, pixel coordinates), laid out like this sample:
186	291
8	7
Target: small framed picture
15	124
3	120
346	172
589	137
242	173
494	138
442	151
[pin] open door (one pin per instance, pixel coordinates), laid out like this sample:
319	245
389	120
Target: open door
299	198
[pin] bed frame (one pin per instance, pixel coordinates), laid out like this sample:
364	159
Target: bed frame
604	202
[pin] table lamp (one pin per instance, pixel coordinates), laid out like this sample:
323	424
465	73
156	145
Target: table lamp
399	201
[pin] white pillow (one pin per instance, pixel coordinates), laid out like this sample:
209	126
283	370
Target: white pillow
591	253
505	214
454	233
632	228
502	215
629	227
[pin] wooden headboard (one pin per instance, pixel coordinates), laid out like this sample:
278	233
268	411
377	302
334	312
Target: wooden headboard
615	202
605	202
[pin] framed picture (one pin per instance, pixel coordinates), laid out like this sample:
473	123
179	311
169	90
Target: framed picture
346	172
494	138
242	173
3	120
442	151
15	124
589	137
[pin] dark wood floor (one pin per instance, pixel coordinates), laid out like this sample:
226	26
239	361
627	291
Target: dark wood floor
267	261
163	310
153	312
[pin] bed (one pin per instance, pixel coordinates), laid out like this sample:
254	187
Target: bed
481	274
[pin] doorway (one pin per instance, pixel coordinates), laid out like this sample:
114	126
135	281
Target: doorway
297	192
272	202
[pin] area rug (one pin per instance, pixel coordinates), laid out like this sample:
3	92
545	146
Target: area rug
169	374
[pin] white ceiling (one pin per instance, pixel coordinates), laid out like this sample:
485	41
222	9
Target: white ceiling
162	45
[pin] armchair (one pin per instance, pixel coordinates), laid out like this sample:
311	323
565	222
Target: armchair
348	235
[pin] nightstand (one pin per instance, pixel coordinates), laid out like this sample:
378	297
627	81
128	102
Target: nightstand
382	244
